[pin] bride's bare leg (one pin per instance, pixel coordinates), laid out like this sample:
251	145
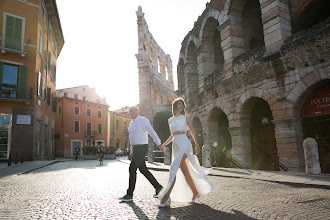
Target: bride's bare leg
186	173
183	162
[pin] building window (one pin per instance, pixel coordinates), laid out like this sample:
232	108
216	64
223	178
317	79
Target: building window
42	11
48	95
59	110
99	128
49	55
41	44
76	96
89	112
14	32
117	124
76	126
13	81
89	128
99	114
65	94
41	86
76	110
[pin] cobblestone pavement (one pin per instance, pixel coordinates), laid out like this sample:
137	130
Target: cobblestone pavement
87	190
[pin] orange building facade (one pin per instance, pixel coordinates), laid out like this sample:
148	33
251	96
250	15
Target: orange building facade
30	43
119	123
81	120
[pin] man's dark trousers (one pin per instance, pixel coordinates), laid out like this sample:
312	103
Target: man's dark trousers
139	153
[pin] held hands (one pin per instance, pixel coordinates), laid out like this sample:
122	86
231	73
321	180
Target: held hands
162	148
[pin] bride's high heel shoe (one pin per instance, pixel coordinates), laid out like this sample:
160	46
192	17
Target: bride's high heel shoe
168	201
195	199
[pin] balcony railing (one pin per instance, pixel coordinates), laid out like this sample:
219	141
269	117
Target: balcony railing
89	133
11	93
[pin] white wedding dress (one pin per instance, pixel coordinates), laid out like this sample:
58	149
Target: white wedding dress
181	145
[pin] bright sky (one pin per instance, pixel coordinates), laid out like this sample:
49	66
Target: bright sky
101	42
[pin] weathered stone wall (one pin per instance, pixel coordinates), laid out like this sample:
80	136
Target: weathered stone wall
283	73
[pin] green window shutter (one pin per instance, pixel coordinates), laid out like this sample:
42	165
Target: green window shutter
54	103
42	88
48	60
48	95
1	75
54	73
22	81
13	33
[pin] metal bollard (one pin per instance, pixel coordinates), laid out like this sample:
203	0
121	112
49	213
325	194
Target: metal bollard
22	160
9	159
16	157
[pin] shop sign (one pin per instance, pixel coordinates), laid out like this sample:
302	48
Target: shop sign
318	103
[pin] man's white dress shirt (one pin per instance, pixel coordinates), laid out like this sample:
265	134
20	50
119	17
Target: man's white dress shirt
138	129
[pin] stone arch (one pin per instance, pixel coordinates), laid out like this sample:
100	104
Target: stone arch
190	70
213	13
219	137
210	49
310	13
191	38
247	16
306	87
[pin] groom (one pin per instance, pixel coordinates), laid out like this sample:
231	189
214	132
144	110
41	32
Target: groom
139	128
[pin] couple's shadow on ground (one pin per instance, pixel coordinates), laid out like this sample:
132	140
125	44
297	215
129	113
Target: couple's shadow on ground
193	211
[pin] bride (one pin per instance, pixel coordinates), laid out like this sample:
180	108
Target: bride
189	182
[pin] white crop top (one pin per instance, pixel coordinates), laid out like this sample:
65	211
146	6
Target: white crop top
178	123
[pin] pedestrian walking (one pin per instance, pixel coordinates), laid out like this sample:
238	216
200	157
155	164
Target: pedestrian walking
139	129
102	152
192	175
76	151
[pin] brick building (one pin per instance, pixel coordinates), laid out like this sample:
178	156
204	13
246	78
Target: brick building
119	123
256	77
31	39
81	120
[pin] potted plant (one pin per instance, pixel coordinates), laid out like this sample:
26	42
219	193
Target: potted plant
90	153
110	153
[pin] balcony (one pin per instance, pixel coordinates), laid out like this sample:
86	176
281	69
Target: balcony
11	93
89	133
15	46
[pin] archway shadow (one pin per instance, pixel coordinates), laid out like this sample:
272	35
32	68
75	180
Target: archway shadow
199	211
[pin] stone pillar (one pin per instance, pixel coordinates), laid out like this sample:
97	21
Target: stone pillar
312	162
167	156
206	156
289	142
276	22
205	62
241	146
232	41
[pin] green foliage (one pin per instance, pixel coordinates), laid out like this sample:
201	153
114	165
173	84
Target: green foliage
110	150
90	150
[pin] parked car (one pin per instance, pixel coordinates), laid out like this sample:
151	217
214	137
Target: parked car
119	152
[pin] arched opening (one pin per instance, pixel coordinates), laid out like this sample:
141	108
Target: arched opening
314	13
316	124
181	78
220	137
252	25
263	142
160	124
166	72
191	69
159	65
211	42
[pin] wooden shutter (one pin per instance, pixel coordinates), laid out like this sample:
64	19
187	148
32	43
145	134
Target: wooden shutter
54	73
48	60
22	82
13	33
48	95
